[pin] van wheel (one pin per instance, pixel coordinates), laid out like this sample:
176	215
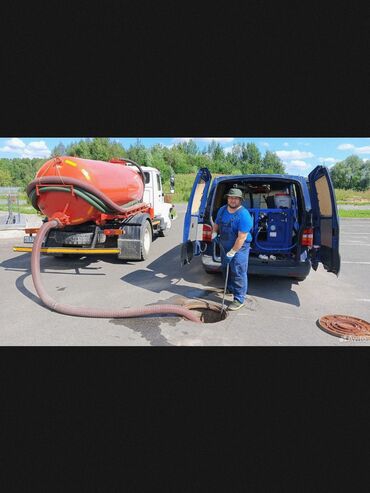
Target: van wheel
146	240
299	279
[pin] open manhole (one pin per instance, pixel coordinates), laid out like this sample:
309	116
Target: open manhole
209	312
345	326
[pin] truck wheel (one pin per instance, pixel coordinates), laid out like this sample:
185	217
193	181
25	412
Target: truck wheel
146	240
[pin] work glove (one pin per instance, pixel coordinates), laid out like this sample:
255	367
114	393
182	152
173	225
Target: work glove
229	256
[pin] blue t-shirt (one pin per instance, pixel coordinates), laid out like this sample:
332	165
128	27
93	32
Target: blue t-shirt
231	224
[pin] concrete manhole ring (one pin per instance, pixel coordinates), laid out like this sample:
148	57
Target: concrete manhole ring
209	312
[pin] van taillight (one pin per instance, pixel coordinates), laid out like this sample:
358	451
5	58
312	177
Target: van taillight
307	237
207	233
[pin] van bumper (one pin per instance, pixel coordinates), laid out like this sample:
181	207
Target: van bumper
283	268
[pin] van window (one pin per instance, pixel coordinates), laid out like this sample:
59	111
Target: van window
147	177
159	182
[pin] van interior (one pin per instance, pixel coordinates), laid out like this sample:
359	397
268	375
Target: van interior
277	212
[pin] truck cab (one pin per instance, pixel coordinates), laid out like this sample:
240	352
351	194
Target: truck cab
154	195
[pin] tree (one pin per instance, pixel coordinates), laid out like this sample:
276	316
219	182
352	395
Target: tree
364	183
190	147
351	173
99	148
178	161
251	154
59	150
5	177
271	163
79	149
215	151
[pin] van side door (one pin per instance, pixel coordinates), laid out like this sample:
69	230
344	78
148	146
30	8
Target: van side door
194	216
325	220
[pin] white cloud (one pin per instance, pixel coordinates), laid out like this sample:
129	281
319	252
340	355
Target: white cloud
265	144
40	145
227	150
328	160
363	150
221	140
294	154
16	143
359	150
344	147
34	149
297	163
286	144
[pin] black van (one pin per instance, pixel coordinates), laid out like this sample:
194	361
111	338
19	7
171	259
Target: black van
295	222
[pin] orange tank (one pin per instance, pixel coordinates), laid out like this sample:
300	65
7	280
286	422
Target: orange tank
121	183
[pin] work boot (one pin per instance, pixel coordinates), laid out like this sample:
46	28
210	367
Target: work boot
235	305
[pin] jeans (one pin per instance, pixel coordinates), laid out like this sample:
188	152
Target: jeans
238	267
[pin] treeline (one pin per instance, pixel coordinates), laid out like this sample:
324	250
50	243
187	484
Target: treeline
351	174
18	172
181	158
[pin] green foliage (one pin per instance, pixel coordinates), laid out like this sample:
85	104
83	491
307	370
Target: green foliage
5	176
272	163
59	150
99	148
182	158
362	213
351	173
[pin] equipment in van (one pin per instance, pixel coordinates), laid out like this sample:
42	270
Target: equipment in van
296	225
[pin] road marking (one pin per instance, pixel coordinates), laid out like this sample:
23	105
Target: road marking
353	262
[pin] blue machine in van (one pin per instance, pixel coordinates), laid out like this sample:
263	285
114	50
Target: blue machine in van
290	235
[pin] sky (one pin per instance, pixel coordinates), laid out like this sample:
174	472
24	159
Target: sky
299	155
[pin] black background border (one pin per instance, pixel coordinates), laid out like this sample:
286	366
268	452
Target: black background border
184	419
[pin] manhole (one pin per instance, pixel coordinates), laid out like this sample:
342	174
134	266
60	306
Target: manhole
345	326
209	312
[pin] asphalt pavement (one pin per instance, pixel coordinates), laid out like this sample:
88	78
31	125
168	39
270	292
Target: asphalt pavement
280	312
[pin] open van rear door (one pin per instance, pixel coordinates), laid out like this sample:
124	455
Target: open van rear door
325	220
193	229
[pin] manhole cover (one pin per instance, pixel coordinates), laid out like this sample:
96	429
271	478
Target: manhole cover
345	326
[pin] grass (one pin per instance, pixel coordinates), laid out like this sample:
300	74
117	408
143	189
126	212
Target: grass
352	197
183	186
354	213
23	209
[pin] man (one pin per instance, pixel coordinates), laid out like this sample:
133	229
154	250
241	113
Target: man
233	224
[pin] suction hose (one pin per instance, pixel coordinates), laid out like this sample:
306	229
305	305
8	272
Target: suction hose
90	189
91	312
